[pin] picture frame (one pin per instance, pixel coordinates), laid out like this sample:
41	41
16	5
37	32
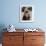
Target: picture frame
26	13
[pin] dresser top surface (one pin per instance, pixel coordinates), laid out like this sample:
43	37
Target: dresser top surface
22	30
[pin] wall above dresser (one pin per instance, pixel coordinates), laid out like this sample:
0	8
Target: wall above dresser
9	13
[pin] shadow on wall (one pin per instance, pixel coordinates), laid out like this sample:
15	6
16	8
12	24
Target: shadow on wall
2	26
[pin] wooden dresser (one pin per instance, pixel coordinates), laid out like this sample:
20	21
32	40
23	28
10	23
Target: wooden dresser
23	39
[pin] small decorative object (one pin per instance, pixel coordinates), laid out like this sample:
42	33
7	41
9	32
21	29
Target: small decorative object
26	13
26	30
32	30
11	28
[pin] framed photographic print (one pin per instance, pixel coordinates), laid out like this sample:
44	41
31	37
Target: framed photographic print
26	13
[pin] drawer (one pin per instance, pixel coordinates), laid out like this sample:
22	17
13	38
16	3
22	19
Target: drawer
12	39
37	39
17	41
12	44
37	44
13	33
7	39
8	44
34	33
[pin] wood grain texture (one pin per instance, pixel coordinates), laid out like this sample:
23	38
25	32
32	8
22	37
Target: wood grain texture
23	39
34	39
13	39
